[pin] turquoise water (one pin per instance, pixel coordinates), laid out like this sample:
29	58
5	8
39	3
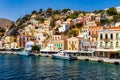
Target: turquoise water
14	67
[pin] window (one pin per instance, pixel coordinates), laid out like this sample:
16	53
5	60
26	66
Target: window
20	39
106	36
58	38
101	36
89	33
117	44
72	42
100	44
92	32
111	36
106	44
23	39
117	36
111	44
69	48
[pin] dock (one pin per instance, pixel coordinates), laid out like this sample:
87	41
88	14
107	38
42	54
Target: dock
8	52
99	59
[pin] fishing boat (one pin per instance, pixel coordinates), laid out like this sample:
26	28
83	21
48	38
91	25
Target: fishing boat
63	55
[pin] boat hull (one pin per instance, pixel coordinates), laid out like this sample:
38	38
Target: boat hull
23	53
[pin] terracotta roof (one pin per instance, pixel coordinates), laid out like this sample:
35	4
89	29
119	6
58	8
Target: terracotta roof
114	28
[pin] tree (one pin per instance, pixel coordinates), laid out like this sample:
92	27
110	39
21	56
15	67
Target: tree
49	10
34	12
105	21
35	48
111	11
40	11
98	11
57	12
42	20
116	18
65	10
2	29
74	15
26	17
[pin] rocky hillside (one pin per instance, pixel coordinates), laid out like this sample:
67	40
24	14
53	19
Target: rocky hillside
7	27
5	23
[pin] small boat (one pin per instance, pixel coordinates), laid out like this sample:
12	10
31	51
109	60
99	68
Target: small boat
26	53
63	55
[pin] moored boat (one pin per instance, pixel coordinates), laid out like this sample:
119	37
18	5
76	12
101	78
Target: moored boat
63	55
26	53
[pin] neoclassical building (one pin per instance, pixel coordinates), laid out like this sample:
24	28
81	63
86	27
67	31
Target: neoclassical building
109	43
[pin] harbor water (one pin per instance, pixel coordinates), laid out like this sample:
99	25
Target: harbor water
16	67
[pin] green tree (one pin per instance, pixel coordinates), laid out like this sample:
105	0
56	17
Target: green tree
57	12
42	20
98	11
49	10
116	18
2	29
74	15
111	11
105	21
65	10
40	11
34	12
35	48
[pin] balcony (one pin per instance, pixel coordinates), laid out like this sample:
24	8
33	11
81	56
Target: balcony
94	35
107	47
106	40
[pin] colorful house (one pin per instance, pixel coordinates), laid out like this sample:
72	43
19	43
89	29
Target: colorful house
73	44
60	41
93	33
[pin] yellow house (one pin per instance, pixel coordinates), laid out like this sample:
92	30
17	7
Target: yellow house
10	42
73	43
60	41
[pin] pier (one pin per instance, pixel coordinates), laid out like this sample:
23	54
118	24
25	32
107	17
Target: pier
99	59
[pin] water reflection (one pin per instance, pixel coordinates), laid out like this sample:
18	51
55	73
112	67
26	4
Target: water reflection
36	68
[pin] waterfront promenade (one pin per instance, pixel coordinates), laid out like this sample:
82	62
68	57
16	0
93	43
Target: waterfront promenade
99	59
87	58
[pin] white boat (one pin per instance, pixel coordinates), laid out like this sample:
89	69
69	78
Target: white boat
63	55
27	53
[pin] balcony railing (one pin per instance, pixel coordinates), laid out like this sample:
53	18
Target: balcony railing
107	47
94	35
107	40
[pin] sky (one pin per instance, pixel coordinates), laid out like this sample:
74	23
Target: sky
14	9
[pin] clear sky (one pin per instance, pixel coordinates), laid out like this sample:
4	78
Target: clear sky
14	9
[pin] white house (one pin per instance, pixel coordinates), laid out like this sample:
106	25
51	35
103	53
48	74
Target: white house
35	22
117	24
40	37
64	27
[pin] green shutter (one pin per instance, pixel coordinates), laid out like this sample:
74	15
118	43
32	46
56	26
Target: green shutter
117	35
117	44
